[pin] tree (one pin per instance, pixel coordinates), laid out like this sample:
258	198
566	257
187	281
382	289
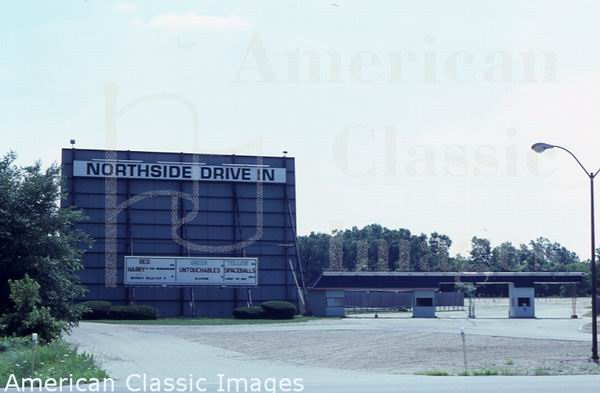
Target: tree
481	254
28	315
439	248
419	253
38	239
505	258
543	255
315	257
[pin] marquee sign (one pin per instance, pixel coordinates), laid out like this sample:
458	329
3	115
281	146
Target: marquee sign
190	271
179	171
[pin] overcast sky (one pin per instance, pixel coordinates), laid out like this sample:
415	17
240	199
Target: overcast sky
408	114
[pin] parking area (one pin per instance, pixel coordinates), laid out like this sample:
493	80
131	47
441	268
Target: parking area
393	344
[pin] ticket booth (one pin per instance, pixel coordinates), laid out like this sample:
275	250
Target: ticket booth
327	303
521	302
424	304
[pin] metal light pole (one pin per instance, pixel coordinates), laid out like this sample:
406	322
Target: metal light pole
540	148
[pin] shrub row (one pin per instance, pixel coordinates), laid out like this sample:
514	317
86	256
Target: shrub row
273	309
96	309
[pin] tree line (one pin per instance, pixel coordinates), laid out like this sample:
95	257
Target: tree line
377	248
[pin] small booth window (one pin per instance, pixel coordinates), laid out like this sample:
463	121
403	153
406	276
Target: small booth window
524	302
424	302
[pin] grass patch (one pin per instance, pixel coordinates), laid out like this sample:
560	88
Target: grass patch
435	373
481	373
539	371
470	373
206	321
55	360
511	371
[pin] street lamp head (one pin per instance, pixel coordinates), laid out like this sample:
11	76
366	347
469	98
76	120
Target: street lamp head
541	147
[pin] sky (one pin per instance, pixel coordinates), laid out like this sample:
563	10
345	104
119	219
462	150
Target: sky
417	115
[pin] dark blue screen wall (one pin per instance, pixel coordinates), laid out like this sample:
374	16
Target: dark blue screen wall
144	228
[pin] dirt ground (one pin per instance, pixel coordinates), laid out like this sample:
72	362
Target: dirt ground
553	344
409	353
412	351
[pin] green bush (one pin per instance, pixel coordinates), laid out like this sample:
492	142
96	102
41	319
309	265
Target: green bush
95	309
4	346
133	312
254	312
276	309
27	314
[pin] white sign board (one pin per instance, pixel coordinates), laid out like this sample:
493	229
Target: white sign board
240	271
177	171
190	271
200	271
149	271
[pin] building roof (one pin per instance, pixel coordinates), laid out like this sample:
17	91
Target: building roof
422	280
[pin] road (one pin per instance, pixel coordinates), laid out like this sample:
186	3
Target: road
164	352
418	384
129	350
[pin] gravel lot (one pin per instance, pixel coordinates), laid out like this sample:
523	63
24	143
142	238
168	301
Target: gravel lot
409	350
553	344
409	353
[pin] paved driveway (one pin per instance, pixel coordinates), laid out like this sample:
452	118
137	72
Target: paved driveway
349	355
